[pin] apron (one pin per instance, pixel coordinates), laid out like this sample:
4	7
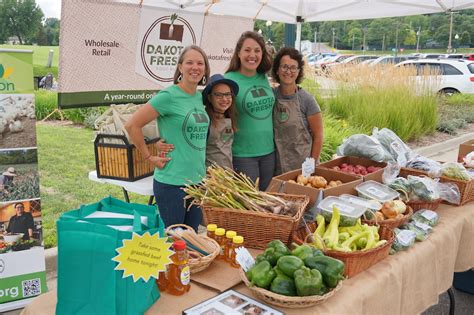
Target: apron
219	144
293	141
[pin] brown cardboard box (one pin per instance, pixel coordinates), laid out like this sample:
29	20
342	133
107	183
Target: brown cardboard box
280	184
354	160
464	149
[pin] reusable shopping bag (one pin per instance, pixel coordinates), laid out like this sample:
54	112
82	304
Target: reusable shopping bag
87	241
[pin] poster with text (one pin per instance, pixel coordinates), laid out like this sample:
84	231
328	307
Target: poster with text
22	263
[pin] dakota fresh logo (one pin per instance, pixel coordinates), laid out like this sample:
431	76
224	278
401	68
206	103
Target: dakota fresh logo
227	134
258	102
282	114
5	84
162	44
195	128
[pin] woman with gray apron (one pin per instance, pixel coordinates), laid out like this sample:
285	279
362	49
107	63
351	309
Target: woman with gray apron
297	119
219	101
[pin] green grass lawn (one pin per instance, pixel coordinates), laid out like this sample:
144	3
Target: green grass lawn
66	155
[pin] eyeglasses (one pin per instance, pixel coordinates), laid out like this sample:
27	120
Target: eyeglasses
221	96
292	69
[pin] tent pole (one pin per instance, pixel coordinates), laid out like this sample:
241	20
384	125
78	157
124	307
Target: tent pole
299	20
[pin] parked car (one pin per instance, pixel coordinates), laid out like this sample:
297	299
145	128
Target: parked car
383	60
330	60
455	76
455	56
358	59
469	56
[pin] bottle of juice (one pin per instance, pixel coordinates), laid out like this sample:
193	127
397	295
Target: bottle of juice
179	274
211	229
162	282
237	241
220	239
229	235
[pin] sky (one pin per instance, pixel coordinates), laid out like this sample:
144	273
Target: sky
50	8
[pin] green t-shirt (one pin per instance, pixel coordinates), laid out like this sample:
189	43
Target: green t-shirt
183	122
254	136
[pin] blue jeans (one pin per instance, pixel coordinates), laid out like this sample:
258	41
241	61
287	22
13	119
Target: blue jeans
173	210
262	167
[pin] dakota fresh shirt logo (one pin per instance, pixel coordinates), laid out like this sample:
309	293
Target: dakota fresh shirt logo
195	128
163	42
258	102
282	114
5	84
227	134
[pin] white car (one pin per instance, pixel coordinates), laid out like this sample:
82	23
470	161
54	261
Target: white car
455	76
383	60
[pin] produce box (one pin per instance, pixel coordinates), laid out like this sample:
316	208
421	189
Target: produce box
464	149
349	182
121	161
354	160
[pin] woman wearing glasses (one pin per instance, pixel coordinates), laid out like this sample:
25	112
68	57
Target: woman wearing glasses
297	120
219	101
253	147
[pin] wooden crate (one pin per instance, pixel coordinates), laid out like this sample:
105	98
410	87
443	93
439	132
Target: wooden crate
121	161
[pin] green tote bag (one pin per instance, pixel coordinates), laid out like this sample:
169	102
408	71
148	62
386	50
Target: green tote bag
87	241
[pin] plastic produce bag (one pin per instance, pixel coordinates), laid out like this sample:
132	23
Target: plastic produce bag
390	173
364	146
455	170
423	188
469	159
421	230
449	192
422	163
403	240
392	144
426	216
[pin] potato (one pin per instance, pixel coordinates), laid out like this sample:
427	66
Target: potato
301	179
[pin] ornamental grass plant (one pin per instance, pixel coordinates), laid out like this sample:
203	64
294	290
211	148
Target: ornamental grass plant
384	96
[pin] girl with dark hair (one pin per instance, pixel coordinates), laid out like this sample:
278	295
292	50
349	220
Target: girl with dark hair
182	121
219	100
297	120
253	147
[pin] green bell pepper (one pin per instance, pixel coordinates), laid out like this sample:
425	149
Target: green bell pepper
308	281
331	269
275	249
302	251
282	284
261	274
289	264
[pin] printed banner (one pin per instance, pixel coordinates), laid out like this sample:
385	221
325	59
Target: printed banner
22	264
116	53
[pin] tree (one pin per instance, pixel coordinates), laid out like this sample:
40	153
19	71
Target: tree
41	38
51	28
465	38
20	18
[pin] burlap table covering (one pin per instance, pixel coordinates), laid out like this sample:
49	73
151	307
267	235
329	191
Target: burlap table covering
406	283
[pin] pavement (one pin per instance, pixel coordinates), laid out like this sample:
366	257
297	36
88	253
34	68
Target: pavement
446	151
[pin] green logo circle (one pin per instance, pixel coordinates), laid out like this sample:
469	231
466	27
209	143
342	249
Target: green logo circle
195	127
258	102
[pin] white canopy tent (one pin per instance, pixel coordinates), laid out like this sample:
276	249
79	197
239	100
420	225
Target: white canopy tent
298	11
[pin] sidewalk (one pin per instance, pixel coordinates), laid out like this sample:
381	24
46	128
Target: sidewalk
446	151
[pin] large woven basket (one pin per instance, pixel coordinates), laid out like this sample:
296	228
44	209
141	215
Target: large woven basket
421	204
258	228
465	187
195	263
287	301
392	223
357	261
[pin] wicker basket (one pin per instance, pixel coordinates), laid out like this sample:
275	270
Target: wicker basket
465	187
258	228
421	204
392	223
356	261
122	161
287	301
197	264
